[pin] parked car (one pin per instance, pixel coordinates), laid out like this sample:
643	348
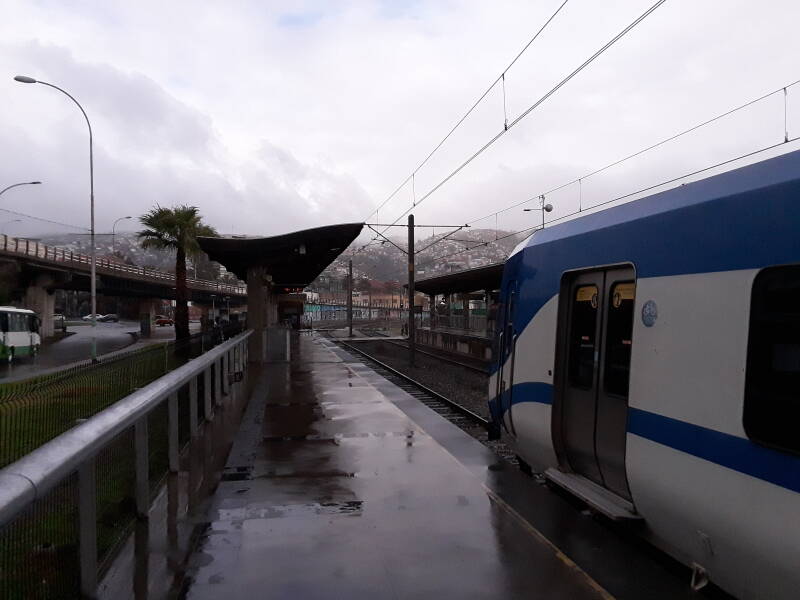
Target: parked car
89	317
59	322
161	321
109	318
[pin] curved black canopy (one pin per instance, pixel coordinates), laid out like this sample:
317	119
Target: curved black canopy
292	259
471	280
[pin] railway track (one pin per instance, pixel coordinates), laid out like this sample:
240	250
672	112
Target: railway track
469	421
377	335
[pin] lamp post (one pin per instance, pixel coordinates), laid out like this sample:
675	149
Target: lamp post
542	207
93	269
113	232
4	190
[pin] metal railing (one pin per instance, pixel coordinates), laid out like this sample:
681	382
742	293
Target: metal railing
105	266
66	507
36	409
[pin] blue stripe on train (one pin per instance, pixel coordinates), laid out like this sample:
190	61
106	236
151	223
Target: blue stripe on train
726	450
723	449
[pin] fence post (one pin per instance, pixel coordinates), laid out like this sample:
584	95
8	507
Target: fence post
226	382
218	381
141	447
207	391
87	525
172	433
193	425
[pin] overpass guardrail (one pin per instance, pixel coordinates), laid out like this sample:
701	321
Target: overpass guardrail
67	507
61	256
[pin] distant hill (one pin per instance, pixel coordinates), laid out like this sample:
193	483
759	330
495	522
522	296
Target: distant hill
466	249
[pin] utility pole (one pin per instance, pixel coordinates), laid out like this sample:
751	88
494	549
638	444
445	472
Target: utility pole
410	253
411	320
350	297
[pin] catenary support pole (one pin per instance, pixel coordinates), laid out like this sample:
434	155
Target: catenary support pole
350	298
411	323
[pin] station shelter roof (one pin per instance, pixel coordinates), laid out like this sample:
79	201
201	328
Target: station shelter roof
292	259
471	280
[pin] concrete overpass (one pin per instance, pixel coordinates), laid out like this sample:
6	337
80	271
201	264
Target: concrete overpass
30	272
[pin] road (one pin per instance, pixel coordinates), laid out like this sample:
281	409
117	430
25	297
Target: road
75	347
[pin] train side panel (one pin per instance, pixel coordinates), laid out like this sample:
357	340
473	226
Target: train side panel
686	408
533	387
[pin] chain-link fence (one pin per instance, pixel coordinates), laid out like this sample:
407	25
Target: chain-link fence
82	496
36	410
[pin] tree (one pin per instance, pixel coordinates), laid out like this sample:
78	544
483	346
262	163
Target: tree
176	230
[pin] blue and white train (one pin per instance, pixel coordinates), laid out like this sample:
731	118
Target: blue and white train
648	361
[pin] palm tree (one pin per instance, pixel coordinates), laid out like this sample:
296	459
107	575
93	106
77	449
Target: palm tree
176	229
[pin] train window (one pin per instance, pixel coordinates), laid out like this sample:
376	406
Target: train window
772	388
582	332
619	330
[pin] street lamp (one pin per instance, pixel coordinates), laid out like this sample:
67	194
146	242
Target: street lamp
542	207
93	269
113	232
4	190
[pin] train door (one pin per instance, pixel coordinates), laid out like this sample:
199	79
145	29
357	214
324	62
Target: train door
596	328
507	343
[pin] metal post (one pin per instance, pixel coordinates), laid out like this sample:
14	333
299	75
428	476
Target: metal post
87	522
193	418
411	323
225	371
350	297
172	433
207	392
218	382
141	447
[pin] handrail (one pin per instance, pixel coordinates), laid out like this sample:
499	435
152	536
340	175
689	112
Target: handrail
13	246
34	475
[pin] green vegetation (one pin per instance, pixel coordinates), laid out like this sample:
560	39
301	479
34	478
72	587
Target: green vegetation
38	550
176	229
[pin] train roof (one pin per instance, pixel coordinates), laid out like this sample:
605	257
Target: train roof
707	198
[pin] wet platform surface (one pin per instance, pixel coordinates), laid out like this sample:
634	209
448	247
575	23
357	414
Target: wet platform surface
341	485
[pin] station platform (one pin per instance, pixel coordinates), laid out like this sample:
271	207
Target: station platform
341	485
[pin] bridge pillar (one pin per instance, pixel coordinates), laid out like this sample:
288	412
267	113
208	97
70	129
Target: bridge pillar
147	313
42	301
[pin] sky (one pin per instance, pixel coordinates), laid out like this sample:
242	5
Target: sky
276	116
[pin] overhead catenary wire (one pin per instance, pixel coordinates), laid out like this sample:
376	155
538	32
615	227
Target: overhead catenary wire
469	112
536	104
42	219
619	198
579	180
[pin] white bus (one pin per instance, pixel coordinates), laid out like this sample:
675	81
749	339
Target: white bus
19	333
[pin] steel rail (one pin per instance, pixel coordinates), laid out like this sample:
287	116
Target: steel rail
446	359
35	474
451	403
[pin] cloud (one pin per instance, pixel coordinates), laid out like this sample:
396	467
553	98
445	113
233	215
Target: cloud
271	119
